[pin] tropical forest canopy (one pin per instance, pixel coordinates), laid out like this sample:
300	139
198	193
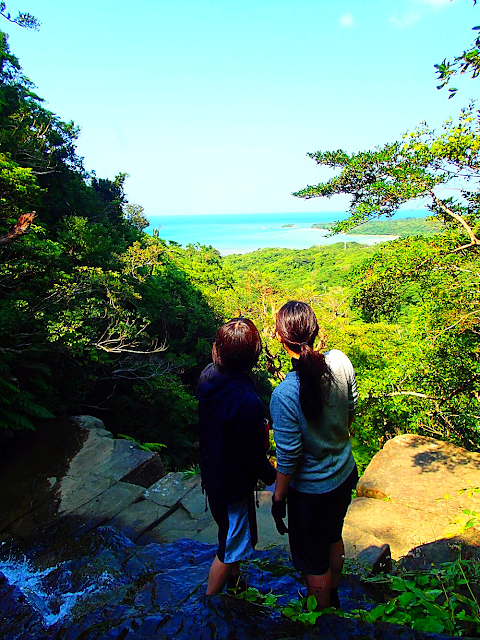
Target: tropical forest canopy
98	317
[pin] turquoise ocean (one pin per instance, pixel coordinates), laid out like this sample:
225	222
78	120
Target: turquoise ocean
242	233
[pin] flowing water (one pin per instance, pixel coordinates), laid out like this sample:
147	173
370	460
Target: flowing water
54	602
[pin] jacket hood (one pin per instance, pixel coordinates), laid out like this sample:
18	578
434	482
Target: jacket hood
213	381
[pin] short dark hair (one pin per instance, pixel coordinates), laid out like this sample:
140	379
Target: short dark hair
237	346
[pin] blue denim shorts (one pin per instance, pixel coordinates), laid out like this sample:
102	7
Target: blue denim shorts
237	529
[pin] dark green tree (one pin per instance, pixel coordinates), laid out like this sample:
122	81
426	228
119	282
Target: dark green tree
429	286
94	314
134	214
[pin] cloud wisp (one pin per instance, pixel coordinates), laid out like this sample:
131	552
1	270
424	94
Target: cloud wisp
407	19
435	3
346	20
414	14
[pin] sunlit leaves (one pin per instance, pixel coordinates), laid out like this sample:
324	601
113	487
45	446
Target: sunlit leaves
22	19
380	181
467	62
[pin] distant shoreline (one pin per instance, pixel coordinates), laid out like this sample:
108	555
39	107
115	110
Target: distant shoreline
247	233
353	232
403	227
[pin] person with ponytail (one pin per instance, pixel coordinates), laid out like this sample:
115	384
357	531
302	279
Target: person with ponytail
312	410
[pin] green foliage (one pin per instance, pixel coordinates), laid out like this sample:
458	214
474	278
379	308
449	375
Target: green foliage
25	20
145	446
440	600
192	471
94	314
473	521
134	214
380	181
18	191
431	601
17	406
467	62
254	595
401	228
303	610
427	286
310	270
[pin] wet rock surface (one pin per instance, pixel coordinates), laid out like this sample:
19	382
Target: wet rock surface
102	585
70	476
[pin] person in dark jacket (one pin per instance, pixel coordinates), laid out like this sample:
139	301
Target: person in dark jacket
232	446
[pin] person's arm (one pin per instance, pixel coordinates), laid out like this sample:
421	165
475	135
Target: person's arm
281	485
287	433
352	394
288	439
253	417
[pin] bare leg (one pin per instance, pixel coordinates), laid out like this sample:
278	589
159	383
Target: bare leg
236	569
219	574
319	586
336	560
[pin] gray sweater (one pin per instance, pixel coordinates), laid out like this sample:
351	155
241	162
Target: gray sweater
318	453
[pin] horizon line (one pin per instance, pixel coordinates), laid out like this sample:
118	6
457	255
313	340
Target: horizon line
267	213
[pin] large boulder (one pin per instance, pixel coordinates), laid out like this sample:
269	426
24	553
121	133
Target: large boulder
413	493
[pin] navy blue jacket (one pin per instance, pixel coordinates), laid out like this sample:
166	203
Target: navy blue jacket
232	436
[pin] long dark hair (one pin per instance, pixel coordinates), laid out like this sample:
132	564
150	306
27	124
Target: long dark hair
298	327
237	346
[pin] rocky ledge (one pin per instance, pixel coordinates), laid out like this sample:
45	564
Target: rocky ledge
72	476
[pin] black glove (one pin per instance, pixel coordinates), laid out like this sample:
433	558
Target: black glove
270	474
279	512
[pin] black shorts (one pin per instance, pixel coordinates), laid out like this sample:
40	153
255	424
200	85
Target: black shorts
315	521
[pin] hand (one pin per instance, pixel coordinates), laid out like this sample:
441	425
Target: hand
270	475
279	512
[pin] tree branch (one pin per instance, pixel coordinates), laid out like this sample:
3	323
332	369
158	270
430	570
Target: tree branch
405	393
473	238
124	343
21	227
467	315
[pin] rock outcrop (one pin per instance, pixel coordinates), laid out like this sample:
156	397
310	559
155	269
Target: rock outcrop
68	477
412	497
71	476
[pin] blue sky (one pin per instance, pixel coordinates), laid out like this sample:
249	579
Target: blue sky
211	105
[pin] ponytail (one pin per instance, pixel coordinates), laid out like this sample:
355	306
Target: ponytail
298	327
